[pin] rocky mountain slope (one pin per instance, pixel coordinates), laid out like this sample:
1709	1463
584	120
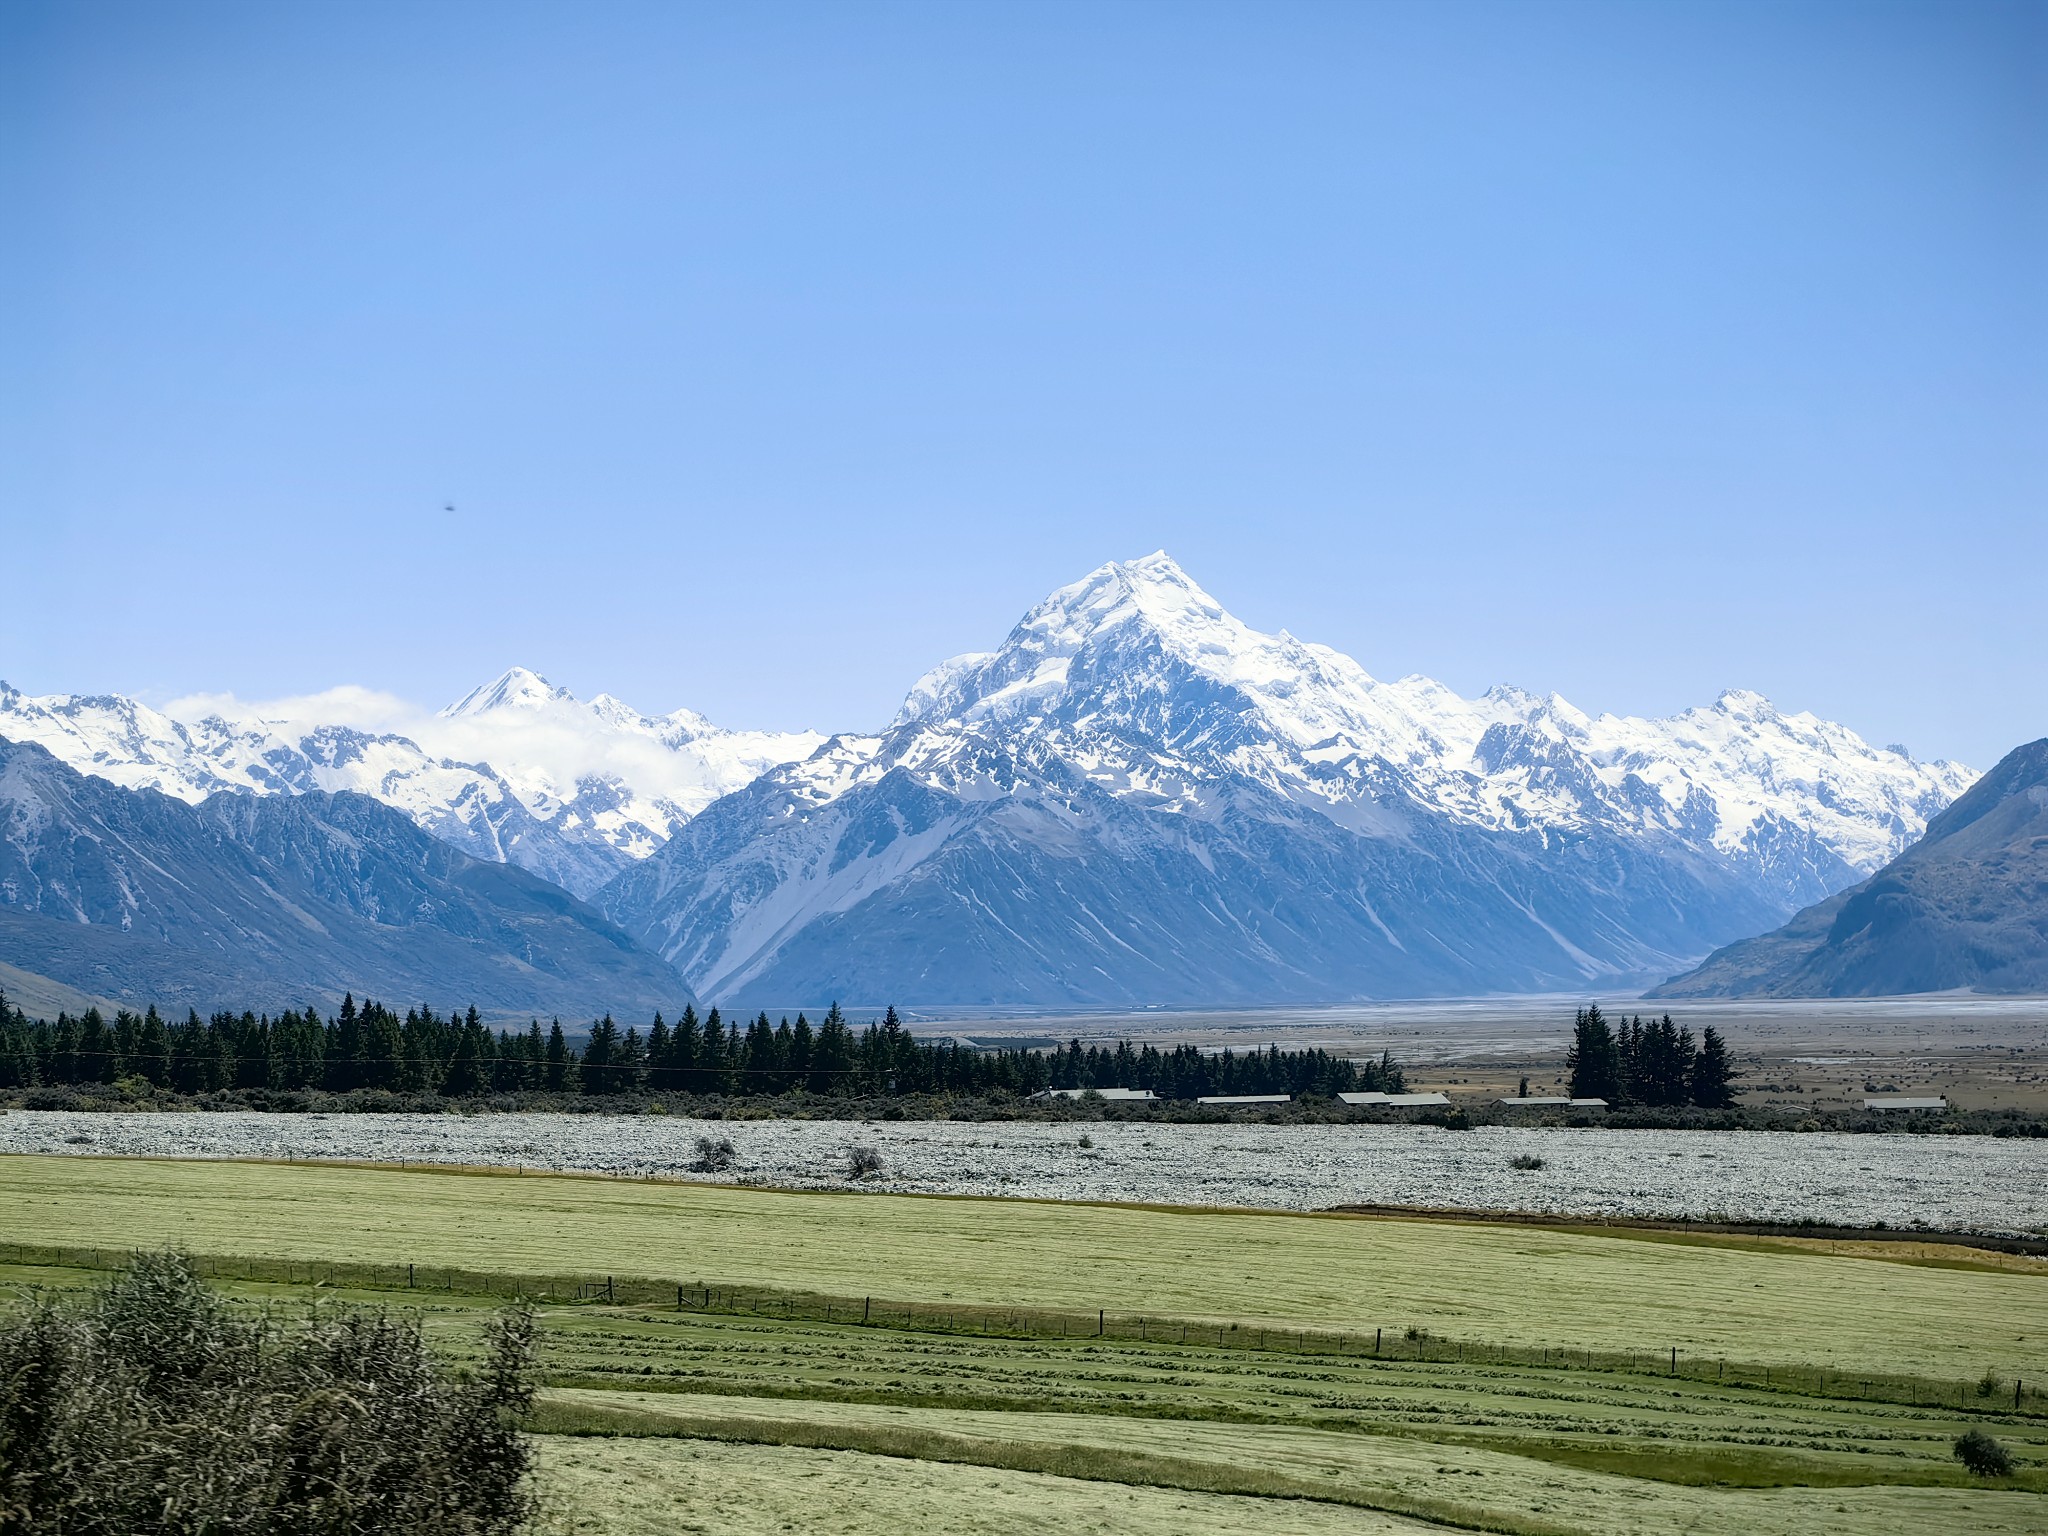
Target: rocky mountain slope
264	900
517	771
1138	798
1965	907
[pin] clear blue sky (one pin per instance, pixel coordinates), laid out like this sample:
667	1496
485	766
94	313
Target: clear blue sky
771	353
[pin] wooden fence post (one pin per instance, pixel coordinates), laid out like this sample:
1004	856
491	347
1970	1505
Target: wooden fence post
866	1302
1100	1316
1376	1339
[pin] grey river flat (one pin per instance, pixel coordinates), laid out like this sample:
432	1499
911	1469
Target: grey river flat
1971	1183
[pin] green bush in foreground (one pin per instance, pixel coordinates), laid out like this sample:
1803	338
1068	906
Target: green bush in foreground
153	1408
1983	1455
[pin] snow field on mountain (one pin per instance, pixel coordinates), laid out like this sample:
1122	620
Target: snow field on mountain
1964	1183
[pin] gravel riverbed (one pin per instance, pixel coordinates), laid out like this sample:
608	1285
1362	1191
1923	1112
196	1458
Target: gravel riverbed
1968	1183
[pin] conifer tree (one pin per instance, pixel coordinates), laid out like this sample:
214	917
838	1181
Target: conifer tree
465	1077
153	1049
599	1057
630	1071
558	1062
713	1058
658	1069
1593	1061
1713	1074
801	1045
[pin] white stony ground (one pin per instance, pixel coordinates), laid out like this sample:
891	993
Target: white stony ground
1955	1182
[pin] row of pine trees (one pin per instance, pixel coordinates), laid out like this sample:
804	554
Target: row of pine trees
373	1047
1657	1063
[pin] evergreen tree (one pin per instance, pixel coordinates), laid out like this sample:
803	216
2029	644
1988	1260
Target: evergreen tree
599	1057
1593	1061
798	1058
97	1059
1713	1074
559	1060
684	1044
660	1075
785	1051
534	1074
466	1067
344	1053
630	1072
152	1049
832	1055
17	1048
714	1059
383	1062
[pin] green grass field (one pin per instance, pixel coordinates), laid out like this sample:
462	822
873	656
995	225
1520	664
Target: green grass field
666	1487
1522	1286
660	1419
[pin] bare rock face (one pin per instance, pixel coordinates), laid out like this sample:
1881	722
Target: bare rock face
1965	907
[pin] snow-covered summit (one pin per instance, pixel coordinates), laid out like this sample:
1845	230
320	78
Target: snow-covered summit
516	688
1138	680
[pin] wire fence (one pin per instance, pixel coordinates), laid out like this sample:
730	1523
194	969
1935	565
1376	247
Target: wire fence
1991	1393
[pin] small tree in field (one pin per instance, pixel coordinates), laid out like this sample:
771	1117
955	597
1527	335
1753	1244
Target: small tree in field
155	1409
1984	1456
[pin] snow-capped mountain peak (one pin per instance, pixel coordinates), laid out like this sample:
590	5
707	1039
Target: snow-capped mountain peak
1138	796
1141	682
516	688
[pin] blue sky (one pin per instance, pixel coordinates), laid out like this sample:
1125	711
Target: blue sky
769	354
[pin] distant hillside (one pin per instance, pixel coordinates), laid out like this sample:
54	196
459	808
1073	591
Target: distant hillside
1965	907
266	900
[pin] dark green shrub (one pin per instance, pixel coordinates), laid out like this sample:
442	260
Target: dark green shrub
153	1409
714	1155
1983	1455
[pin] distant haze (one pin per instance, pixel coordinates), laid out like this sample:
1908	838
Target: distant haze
750	358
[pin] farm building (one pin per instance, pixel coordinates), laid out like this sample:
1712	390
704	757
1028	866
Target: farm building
1246	1098
1114	1095
1554	1102
1395	1100
1902	1101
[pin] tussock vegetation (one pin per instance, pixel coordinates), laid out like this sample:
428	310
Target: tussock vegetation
155	1407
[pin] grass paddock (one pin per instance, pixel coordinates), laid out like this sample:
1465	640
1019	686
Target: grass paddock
1519	1286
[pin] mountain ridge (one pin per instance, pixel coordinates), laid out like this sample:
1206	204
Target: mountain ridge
1130	720
1966	907
248	900
1127	715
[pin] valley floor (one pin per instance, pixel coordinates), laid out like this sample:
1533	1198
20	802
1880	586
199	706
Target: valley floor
1811	1390
1967	1183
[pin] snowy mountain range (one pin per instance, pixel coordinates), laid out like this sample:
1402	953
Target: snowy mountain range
1135	797
264	901
1139	798
516	771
